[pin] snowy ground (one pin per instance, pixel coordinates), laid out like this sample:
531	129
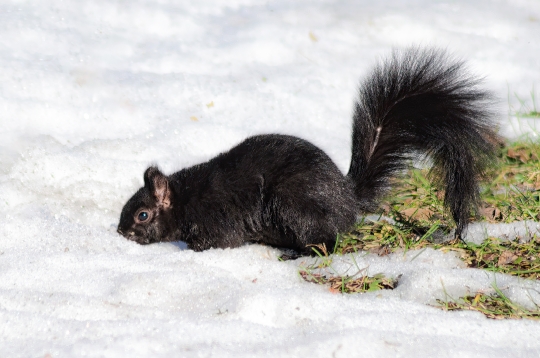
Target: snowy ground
92	92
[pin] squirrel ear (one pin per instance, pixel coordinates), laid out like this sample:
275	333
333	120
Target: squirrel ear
158	184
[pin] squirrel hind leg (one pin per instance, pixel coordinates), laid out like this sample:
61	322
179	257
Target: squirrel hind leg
303	224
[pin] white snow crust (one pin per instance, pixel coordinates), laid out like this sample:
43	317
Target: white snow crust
92	92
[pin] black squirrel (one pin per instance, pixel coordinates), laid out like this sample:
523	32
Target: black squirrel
285	192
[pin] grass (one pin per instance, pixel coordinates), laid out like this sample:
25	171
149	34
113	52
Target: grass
514	192
495	305
526	110
526	115
418	220
351	284
357	283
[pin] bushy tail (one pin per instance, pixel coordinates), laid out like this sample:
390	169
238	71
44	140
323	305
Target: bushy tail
422	101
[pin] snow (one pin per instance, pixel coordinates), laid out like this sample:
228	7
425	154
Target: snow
524	230
92	92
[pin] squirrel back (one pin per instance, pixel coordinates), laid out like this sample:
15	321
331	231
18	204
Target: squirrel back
284	191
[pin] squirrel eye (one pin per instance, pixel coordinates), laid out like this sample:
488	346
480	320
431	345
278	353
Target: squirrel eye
143	216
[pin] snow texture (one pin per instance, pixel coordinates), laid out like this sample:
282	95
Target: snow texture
92	92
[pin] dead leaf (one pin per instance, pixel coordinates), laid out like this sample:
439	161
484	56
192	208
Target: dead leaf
488	257
418	213
520	154
506	257
380	250
491	213
386	208
334	290
440	194
383	251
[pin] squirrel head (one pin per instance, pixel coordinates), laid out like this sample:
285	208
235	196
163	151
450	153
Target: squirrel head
147	217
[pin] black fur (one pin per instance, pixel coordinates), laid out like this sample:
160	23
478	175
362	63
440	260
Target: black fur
284	191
